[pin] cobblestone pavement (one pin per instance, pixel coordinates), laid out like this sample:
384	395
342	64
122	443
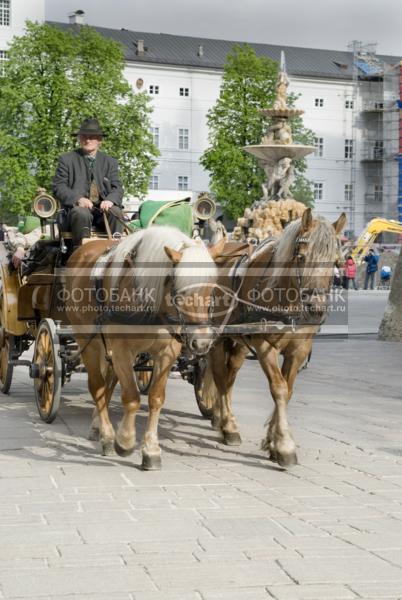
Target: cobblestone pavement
217	522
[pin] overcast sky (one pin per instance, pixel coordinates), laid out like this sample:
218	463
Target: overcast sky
308	23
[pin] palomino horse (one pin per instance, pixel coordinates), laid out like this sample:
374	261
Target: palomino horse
157	272
295	272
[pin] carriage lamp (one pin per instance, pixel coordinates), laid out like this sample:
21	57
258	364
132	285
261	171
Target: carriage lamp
44	205
204	207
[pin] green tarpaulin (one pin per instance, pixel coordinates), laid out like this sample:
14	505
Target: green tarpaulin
177	213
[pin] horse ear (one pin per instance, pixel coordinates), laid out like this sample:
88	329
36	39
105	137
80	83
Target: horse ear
340	224
216	249
173	255
306	220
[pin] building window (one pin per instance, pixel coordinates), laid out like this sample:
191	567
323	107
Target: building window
349	104
378	149
348	148
318	191
183	139
378	193
154	89
348	194
184	91
3	59
182	182
379	105
154	182
155	136
319	146
5	12
319	102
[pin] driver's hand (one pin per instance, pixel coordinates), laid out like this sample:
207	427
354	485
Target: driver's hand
18	257
105	205
85	203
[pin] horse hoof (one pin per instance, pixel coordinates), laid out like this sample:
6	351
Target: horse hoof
122	451
231	438
286	460
93	435
151	463
108	448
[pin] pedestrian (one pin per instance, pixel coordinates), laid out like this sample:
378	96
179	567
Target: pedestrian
350	270
371	269
337	283
87	185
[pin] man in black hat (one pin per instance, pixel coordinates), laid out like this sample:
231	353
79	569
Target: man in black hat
87	184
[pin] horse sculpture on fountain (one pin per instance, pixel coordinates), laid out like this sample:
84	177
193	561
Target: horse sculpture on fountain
290	277
153	293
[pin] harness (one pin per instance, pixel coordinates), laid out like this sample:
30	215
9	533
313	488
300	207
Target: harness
107	314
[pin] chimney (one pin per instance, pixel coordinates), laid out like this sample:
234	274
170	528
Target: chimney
140	47
200	51
77	18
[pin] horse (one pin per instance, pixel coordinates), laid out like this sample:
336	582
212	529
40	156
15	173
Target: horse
151	292
301	262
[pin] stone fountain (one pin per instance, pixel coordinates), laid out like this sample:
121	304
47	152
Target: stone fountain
276	152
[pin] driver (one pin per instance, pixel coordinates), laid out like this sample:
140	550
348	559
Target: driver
87	184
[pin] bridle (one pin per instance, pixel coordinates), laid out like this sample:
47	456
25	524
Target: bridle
185	325
305	294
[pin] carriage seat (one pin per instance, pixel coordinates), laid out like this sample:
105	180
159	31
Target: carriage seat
65	232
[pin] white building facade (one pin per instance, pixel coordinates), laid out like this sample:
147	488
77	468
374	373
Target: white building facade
183	77
13	15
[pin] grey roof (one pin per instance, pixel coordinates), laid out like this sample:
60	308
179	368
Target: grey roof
179	50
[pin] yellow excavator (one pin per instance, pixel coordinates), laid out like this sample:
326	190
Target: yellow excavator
369	234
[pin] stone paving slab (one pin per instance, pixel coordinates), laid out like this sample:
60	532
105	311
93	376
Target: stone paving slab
218	522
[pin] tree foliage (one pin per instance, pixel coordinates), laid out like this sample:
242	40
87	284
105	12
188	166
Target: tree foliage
53	80
249	84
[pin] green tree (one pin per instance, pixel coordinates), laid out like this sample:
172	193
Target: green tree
249	84
53	80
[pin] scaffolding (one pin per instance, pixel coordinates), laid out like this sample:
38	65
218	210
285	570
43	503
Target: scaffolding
374	165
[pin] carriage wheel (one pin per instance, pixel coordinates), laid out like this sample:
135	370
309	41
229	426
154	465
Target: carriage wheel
47	370
6	370
6	345
144	378
204	405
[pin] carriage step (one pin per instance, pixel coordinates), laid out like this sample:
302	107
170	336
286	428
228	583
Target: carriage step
20	363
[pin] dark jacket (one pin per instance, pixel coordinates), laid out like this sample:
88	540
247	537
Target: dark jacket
72	179
372	263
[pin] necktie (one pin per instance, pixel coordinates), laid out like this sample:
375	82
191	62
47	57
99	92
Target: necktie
93	189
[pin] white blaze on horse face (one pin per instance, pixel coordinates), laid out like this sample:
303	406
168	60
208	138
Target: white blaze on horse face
195	277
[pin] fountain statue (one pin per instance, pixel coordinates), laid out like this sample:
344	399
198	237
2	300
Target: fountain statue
277	151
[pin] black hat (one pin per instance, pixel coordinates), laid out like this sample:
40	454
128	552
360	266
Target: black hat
90	127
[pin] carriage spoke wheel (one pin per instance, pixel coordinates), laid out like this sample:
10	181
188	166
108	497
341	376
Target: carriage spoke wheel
6	346
48	371
204	404
6	370
144	378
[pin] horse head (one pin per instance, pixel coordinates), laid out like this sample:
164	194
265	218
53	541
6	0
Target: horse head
192	287
316	249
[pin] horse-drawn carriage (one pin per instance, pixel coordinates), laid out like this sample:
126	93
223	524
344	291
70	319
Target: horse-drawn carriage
271	301
32	312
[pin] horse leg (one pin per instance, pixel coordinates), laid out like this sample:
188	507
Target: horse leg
293	359
111	381
279	441
151	452
226	360
123	365
99	389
